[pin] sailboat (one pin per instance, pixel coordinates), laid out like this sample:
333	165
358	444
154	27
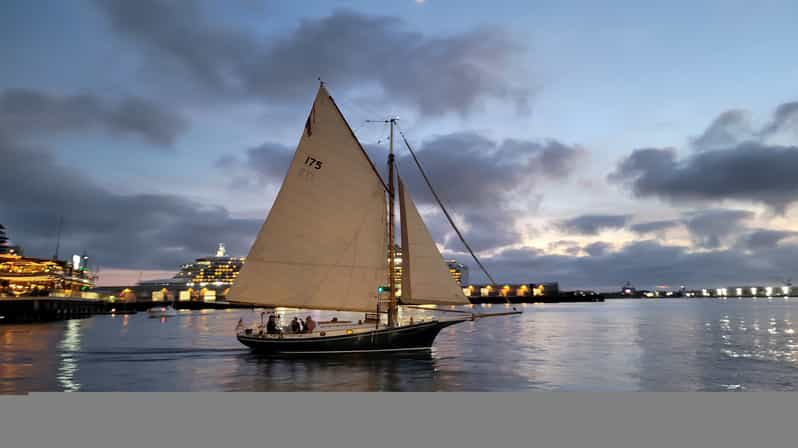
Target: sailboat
328	244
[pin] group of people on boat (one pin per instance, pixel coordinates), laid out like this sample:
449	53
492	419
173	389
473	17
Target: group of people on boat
298	326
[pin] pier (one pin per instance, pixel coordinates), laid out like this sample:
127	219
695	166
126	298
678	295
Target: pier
559	298
47	308
39	309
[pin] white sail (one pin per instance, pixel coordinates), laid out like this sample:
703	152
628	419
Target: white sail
323	245
425	276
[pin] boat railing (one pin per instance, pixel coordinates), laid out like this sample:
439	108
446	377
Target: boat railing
340	329
329	328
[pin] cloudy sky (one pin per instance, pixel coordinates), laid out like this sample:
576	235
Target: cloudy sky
574	142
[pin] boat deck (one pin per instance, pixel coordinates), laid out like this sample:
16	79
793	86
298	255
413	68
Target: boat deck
330	329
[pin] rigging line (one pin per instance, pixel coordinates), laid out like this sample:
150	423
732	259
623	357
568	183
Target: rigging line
445	212
365	125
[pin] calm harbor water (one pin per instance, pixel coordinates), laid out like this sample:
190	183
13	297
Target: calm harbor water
651	345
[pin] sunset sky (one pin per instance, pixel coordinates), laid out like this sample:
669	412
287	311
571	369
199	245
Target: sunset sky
574	142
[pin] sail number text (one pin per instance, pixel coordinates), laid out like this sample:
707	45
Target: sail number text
310	161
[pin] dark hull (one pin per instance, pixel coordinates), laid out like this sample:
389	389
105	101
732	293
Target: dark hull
406	338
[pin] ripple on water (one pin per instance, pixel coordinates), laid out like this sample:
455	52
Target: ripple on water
674	345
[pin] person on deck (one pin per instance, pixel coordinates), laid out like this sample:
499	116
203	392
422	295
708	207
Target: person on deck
271	326
295	326
310	325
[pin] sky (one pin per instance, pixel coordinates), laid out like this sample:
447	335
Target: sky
574	142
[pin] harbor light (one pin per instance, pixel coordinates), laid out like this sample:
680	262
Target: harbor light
785	290
769	291
739	291
753	291
704	293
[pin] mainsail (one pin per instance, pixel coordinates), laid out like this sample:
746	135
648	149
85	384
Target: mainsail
323	245
425	276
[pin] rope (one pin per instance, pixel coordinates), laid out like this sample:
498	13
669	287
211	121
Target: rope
445	212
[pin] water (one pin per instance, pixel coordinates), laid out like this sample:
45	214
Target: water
652	345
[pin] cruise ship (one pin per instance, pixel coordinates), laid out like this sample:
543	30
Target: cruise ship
205	279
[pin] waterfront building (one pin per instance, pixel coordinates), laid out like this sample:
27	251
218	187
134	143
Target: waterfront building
512	290
459	271
396	278
21	276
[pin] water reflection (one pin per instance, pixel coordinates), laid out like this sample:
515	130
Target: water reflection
68	346
26	359
405	372
674	345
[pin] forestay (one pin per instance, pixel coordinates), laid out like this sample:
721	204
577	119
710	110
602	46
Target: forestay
323	245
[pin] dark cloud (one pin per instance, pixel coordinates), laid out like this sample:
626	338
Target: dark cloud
709	228
654	226
269	160
348	49
593	224
785	119
489	184
735	163
751	172
262	165
598	248
764	239
226	161
469	169
647	264
25	112
141	231
730	128
567	246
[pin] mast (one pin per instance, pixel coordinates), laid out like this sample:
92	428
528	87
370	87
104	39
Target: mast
392	304
58	237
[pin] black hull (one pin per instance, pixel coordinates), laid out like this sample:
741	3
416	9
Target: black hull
406	338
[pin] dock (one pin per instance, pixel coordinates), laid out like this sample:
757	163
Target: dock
41	309
49	308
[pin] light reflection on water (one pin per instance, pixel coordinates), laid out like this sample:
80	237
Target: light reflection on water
68	347
672	345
